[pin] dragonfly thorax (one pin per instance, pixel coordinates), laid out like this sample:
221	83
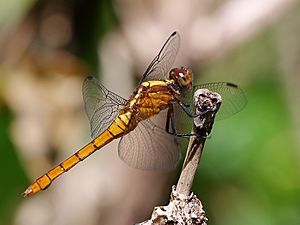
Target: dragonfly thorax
182	77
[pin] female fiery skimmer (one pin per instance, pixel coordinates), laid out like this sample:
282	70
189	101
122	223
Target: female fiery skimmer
143	143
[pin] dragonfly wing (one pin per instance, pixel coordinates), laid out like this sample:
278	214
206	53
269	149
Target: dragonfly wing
162	63
149	147
101	105
233	97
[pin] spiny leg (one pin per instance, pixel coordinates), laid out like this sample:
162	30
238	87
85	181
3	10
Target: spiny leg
185	108
171	120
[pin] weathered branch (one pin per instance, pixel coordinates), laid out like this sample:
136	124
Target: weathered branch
206	105
184	207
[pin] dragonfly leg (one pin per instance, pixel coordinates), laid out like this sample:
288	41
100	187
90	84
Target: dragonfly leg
186	109
171	120
168	119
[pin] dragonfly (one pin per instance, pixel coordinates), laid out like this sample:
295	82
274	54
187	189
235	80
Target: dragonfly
143	144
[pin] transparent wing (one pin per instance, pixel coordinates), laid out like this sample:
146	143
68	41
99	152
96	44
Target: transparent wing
149	147
101	105
233	97
162	63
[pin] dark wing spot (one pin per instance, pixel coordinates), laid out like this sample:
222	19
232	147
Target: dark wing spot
232	85
174	33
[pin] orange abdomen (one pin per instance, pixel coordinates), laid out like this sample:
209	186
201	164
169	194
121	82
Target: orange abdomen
118	128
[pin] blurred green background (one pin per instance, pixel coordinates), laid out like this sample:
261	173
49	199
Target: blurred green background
249	172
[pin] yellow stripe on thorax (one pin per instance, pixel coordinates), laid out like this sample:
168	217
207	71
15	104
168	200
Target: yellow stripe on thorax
152	83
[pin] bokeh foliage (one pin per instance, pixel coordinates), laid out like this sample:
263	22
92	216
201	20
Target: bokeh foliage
12	175
249	172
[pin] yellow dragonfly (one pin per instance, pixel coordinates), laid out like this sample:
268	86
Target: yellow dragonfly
143	144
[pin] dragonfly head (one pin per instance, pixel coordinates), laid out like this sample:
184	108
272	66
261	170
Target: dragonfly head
183	77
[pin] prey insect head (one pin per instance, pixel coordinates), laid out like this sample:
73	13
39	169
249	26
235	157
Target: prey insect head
183	77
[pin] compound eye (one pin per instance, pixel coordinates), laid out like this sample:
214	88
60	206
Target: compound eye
172	73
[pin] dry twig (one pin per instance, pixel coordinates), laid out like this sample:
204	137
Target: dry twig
184	207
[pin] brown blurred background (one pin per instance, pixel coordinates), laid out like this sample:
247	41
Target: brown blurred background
249	172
